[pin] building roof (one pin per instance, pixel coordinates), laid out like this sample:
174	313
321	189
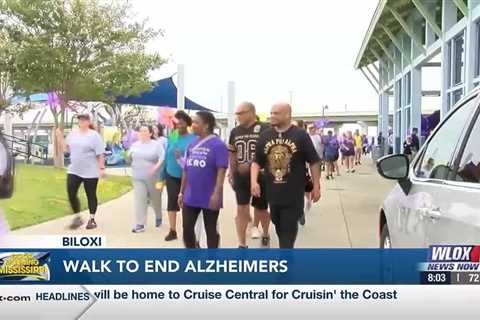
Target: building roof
386	16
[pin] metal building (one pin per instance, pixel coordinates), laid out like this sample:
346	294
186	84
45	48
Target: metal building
404	38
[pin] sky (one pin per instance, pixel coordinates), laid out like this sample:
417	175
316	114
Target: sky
271	49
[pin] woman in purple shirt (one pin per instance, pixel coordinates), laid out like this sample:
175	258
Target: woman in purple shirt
206	161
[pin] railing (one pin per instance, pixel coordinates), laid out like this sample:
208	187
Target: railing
25	148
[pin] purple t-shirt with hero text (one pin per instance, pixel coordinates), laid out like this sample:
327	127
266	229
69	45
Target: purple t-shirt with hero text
201	167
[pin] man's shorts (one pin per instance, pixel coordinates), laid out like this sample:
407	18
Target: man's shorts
241	185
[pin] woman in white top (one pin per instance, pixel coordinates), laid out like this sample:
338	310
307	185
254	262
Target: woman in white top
147	156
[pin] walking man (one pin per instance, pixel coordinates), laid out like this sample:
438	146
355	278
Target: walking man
283	152
242	144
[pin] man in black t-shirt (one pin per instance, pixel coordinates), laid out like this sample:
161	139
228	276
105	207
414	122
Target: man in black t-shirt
242	143
283	151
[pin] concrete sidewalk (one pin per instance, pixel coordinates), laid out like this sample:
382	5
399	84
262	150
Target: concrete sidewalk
346	216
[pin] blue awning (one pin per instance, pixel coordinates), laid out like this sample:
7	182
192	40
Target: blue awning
163	94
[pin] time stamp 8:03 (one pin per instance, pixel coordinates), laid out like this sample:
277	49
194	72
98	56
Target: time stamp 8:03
447	277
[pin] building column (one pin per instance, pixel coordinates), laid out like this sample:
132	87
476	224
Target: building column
396	130
180	87
470	49
416	92
384	118
449	18
230	106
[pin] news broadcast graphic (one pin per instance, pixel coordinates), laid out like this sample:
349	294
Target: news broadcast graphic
450	264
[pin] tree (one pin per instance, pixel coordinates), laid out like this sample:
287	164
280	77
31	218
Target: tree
83	50
6	69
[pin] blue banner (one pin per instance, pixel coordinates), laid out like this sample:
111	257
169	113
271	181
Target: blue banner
222	266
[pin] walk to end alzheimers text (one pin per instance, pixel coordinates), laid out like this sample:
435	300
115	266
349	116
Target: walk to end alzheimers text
169	266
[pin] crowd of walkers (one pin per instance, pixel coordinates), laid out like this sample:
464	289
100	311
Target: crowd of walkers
348	149
273	167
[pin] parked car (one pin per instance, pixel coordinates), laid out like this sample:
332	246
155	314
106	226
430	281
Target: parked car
437	197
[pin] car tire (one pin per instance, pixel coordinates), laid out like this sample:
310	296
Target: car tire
385	240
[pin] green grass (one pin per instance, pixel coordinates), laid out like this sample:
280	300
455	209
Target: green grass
40	195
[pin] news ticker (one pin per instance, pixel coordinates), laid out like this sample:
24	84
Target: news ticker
239	302
73	264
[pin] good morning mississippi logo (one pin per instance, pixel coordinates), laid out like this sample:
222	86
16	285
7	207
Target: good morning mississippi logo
24	266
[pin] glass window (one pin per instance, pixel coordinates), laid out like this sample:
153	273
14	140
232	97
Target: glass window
469	168
435	162
398	97
408	89
477	62
408	119
458	60
398	126
456	96
449	64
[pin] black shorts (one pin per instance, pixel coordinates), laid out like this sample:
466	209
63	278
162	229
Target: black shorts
173	189
241	185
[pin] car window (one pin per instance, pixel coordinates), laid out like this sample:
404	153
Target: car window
435	162
469	167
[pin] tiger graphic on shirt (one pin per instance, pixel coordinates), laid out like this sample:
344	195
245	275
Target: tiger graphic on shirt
279	154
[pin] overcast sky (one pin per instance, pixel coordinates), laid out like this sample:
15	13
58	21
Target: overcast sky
268	47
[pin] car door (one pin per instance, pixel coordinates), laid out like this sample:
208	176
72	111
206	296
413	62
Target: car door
416	210
456	217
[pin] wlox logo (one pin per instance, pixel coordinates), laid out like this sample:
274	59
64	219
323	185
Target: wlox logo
453	253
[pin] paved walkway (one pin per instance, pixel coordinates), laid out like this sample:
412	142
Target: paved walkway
346	216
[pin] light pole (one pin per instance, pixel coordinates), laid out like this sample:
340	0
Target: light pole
325	107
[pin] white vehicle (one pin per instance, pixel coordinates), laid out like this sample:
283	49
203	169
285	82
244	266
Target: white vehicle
437	198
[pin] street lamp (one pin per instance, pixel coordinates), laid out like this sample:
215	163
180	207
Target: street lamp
323	110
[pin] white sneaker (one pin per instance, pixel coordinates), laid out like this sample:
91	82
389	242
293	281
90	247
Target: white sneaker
255	233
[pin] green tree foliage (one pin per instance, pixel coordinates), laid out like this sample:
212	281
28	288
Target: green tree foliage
83	50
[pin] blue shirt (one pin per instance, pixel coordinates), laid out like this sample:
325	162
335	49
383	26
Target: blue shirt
172	167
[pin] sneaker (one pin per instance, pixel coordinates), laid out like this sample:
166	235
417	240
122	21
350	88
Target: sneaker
158	223
172	235
91	224
242	247
266	242
255	233
301	220
76	223
138	228
353	171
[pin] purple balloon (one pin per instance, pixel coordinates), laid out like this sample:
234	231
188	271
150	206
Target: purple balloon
321	123
129	139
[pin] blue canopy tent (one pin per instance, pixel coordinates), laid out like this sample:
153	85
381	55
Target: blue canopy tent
163	94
